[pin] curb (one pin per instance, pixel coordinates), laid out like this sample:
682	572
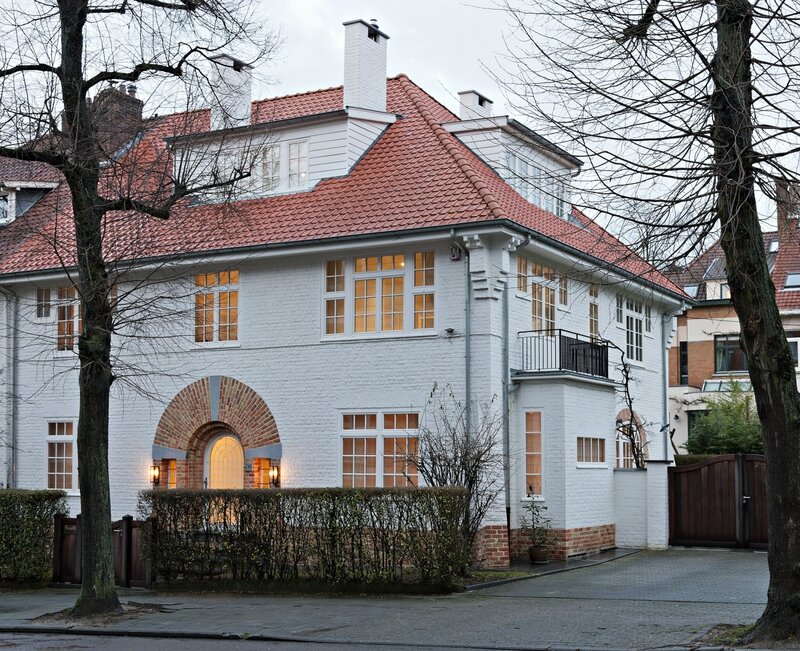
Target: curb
194	635
491	584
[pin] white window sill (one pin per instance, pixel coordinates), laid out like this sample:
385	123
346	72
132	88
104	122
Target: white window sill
524	296
211	345
65	354
591	465
532	498
376	336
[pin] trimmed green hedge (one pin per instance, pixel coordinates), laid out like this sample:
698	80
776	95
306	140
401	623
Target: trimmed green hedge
26	533
689	459
333	536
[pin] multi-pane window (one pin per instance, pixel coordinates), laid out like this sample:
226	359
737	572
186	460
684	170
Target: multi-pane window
634	326
522	274
61	464
543	297
423	295
170	467
380	293
43	303
271	171
379	456
625	449
216	307
683	363
68	318
591	450
594	311
648	318
728	354
620	314
298	163
533	453
334	297
563	290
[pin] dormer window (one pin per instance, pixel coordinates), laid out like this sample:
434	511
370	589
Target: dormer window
272	168
298	164
691	290
773	246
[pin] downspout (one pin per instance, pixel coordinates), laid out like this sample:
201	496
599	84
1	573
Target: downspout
506	416
467	332
12	322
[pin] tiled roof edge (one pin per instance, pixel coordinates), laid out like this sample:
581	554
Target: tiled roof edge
449	143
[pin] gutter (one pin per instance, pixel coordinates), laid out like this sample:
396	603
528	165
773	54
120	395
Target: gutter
12	345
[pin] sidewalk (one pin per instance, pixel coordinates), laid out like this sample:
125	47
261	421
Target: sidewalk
564	610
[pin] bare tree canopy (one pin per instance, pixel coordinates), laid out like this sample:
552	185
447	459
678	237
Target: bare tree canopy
64	66
684	110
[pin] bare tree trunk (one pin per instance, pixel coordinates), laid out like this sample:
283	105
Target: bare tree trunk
98	590
770	360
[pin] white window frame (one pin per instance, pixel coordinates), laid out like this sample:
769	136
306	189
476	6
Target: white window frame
524	454
409	292
50	304
272	157
796	342
215	342
631	316
379	433
72	438
77	322
302	169
591	464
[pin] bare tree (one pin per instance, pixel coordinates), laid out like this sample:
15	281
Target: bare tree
53	55
458	445
689	107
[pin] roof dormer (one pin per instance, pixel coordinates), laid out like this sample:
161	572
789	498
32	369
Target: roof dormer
18	196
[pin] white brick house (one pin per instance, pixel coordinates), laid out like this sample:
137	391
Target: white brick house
381	245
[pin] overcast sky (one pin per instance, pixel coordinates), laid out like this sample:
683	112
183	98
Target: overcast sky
440	44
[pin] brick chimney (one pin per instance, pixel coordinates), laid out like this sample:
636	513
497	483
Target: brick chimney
787	200
364	65
232	82
472	105
116	116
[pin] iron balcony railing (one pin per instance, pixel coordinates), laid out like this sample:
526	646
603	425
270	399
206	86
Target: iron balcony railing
562	350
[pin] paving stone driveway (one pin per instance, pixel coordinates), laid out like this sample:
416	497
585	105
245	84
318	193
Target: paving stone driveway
642	601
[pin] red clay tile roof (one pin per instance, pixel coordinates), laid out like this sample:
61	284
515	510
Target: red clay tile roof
788	261
417	175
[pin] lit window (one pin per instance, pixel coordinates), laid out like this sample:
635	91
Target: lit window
61	450
792	281
591	450
392	448
392	303
423	269
594	312
68	318
43	303
522	274
170	469
533	453
543	298
423	311
563	290
216	307
366	305
334	297
272	168
424	276
298	164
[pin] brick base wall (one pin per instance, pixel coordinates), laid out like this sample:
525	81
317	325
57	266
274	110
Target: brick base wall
491	546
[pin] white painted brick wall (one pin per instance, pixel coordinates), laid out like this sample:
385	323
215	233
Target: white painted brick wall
630	503
364	68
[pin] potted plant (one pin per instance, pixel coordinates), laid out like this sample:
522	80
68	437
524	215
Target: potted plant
537	527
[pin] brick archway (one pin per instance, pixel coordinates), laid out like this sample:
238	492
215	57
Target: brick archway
200	411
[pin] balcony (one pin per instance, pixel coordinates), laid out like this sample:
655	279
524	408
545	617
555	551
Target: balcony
563	351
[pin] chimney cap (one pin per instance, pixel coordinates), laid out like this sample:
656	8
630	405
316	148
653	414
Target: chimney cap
481	97
229	61
373	24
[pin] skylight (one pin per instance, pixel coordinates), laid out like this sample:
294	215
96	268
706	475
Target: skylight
773	246
792	281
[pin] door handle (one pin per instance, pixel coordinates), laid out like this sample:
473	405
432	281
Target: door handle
745	499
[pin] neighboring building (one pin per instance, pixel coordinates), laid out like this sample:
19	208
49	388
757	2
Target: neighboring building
381	245
706	358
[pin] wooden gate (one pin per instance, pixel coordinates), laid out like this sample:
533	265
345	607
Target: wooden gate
130	567
719	502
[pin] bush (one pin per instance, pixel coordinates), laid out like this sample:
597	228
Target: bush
689	459
336	536
26	533
730	425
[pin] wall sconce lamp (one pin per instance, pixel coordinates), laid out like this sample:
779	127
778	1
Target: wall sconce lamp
155	475
274	475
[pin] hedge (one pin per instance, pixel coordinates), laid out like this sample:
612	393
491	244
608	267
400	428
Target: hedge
333	536
689	459
26	533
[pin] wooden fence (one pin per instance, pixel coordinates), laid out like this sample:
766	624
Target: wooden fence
131	570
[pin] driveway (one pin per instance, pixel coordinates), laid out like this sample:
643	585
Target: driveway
645	600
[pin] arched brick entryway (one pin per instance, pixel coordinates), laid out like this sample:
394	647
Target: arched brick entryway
202	411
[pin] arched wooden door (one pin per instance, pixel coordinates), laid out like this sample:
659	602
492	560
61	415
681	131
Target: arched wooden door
224	462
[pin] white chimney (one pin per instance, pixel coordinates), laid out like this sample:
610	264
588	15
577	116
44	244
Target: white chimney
232	82
364	65
473	105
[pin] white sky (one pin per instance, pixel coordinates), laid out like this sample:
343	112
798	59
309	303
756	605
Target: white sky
440	44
